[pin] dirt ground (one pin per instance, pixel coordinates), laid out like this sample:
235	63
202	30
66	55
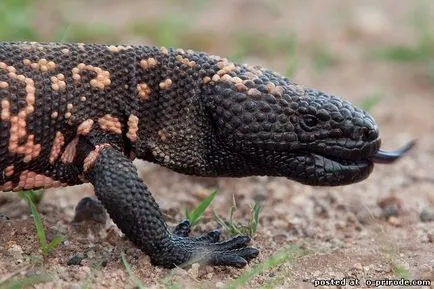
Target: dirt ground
380	228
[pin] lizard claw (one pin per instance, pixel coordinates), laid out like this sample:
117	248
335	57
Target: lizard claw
183	229
236	258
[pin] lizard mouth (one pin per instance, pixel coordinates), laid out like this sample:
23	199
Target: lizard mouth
349	165
361	151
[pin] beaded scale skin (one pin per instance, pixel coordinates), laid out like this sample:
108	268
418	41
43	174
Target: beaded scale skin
74	113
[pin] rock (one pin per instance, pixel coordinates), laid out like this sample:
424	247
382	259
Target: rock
391	206
427	215
75	260
431	237
194	270
394	221
16	251
90	208
357	267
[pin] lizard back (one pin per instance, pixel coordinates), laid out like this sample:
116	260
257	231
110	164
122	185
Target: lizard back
50	93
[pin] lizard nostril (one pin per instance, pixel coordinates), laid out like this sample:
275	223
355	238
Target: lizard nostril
369	134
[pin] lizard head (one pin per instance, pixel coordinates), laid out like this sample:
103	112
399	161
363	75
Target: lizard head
271	126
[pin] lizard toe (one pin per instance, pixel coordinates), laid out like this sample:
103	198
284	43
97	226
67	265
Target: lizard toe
211	237
235	257
183	229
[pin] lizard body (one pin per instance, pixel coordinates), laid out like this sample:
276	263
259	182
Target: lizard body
74	113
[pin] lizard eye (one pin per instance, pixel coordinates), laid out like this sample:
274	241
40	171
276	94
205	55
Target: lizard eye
310	120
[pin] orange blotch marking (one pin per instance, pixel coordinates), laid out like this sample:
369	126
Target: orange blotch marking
58	82
42	65
102	79
110	123
144	91
31	180
185	61
117	48
70	151
18	122
9	171
85	127
59	141
92	156
148	63
133	127
166	84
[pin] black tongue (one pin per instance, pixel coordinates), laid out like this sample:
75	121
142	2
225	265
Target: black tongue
383	157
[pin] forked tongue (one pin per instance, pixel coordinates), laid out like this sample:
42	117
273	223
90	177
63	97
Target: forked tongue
384	157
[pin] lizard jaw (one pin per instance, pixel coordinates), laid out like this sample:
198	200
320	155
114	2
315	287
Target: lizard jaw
332	170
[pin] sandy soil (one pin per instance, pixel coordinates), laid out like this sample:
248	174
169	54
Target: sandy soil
343	231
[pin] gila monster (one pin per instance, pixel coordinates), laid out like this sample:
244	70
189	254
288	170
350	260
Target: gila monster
75	113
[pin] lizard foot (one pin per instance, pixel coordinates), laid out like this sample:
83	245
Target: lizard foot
183	251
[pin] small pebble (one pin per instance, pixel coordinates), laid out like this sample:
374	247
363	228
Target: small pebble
219	284
16	251
394	221
431	237
194	270
90	208
391	206
75	260
357	267
427	215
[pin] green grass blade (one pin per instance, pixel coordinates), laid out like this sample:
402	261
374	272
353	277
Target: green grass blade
288	254
38	223
195	215
402	53
370	101
55	242
130	272
220	221
254	220
25	282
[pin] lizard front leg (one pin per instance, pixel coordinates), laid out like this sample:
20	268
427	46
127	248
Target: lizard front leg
134	210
